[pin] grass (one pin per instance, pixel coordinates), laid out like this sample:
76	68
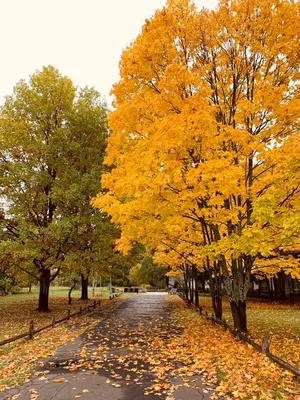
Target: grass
55	291
236	369
14	322
280	322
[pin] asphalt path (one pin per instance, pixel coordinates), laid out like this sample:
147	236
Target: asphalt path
114	360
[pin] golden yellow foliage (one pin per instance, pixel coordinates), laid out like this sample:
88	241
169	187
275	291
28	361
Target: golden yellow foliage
205	135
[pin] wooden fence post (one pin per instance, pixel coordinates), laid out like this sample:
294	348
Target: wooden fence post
94	303
53	321
31	329
265	345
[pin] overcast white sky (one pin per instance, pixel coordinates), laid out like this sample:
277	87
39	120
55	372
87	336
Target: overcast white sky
84	39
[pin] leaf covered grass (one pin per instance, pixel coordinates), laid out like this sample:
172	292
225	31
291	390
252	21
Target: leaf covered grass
16	311
18	359
174	353
280	322
238	370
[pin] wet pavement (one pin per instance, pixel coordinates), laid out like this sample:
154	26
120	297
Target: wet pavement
118	359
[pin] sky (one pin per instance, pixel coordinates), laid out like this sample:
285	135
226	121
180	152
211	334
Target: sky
84	39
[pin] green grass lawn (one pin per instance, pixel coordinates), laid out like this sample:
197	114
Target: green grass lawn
55	291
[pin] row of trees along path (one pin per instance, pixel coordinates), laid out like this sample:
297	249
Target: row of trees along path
204	158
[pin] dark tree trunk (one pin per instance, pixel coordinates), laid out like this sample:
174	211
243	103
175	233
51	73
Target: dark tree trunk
276	286
190	283
195	274
196	297
292	290
44	290
259	288
167	282
215	285
270	291
238	311
29	287
281	275
191	292
186	290
217	306
201	285
69	296
84	287
70	291
188	286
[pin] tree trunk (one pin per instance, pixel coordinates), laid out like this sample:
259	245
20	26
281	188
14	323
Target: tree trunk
188	286
276	286
44	290
186	289
292	290
70	291
281	276
29	287
69	296
270	291
196	295
215	285
84	287
238	311
217	306
190	283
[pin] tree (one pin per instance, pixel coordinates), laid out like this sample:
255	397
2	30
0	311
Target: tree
33	128
86	143
151	273
147	273
134	275
52	147
204	112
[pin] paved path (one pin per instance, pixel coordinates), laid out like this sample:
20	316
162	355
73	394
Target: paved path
116	360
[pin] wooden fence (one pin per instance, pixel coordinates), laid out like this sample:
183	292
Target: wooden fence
263	348
114	294
32	331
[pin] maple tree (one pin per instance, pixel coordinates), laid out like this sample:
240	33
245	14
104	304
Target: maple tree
203	144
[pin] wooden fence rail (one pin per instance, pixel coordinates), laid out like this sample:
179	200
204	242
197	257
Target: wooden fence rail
114	294
263	348
31	331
